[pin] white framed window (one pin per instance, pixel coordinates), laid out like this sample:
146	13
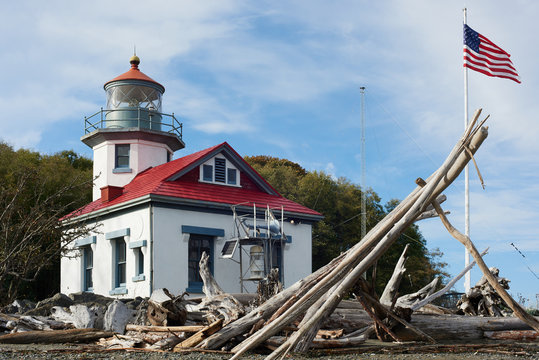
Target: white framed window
137	247
118	242
121	156
219	170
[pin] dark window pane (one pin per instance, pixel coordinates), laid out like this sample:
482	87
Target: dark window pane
88	266
197	245
123	162
207	173
121	250
122	150
88	280
121	274
140	262
231	176
120	262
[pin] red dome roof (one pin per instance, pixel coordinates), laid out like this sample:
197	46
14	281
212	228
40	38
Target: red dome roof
134	74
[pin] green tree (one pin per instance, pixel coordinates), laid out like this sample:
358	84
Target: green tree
35	192
339	200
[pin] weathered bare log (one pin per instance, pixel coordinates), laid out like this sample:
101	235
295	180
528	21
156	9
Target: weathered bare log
446	288
210	287
217	304
381	237
165	309
467	242
410	299
378	322
483	300
406	324
458	327
392	285
199	336
268	287
276	341
430	212
305	343
516	335
144	328
168	343
54	337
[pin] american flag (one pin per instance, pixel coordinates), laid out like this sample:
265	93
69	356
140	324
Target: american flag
481	54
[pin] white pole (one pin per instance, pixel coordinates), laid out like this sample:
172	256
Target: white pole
467	278
363	185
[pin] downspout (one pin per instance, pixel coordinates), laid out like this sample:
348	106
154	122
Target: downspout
151	248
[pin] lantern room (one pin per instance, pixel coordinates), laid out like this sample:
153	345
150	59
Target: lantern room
134	99
132	133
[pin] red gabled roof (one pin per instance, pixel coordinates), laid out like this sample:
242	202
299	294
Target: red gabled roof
161	180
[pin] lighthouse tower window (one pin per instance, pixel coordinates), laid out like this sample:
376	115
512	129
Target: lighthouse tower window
122	156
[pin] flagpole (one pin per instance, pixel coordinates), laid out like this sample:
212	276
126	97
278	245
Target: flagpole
467	277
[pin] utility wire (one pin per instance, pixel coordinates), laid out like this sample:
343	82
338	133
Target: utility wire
520	252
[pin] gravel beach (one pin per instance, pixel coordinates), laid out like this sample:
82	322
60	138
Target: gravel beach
71	352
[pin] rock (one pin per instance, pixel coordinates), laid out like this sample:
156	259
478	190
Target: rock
117	316
19	307
99	313
44	307
58	299
90	298
81	316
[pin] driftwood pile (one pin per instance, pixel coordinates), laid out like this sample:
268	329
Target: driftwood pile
483	300
311	313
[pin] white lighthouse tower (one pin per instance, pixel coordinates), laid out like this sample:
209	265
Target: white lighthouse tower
131	134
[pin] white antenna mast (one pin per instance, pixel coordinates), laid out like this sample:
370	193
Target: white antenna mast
363	185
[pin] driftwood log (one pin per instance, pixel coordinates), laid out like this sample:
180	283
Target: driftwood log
165	309
483	300
217	304
392	285
54	337
407	301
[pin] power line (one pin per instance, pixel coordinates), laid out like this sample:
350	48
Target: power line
524	256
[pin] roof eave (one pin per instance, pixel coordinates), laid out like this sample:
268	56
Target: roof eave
178	201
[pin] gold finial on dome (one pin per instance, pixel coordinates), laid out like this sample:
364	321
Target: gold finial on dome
134	61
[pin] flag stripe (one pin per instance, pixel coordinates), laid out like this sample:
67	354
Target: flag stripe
482	55
492	75
471	56
493	72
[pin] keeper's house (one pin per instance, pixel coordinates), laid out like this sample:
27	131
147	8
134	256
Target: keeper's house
157	216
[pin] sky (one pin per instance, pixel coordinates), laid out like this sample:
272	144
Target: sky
282	78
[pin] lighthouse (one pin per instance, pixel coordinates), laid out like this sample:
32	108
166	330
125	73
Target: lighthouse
132	133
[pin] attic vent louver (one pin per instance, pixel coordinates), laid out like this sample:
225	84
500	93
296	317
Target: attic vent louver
220	170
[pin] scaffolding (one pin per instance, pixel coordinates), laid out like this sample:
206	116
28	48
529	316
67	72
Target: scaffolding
262	235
